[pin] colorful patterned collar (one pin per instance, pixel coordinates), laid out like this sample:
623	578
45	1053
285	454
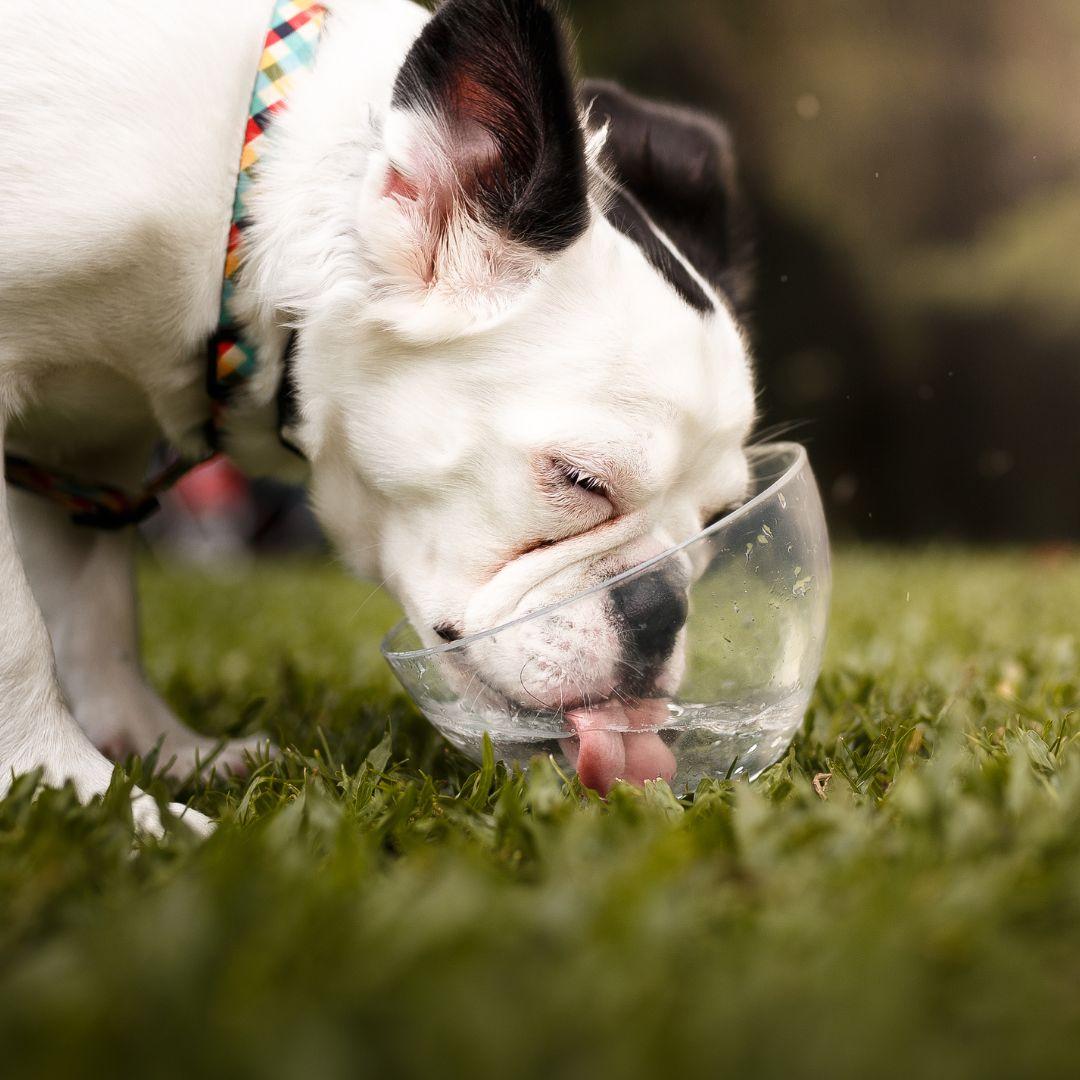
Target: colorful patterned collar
291	44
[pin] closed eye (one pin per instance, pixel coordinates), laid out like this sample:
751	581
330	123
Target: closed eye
580	479
576	487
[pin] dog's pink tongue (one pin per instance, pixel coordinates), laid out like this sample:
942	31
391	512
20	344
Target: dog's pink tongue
603	755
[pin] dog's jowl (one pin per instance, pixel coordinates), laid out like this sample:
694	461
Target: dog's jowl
506	304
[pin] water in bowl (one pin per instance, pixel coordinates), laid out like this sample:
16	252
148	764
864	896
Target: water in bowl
708	741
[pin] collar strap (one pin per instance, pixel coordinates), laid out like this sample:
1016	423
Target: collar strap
98	505
290	47
291	44
102	506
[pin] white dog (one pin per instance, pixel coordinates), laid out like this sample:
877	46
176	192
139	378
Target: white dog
517	360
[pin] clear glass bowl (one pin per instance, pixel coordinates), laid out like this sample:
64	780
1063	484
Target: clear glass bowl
748	655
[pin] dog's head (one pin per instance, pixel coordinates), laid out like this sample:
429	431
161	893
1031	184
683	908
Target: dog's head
544	381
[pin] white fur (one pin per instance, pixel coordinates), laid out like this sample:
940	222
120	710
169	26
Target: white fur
436	367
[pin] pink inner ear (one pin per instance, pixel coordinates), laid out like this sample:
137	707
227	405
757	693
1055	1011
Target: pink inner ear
398	187
453	162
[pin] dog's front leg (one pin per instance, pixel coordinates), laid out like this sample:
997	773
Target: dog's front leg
36	728
84	581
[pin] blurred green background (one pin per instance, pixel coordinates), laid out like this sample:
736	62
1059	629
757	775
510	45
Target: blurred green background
912	166
901	894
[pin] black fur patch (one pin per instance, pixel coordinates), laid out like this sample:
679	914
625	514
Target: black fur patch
679	166
628	216
501	66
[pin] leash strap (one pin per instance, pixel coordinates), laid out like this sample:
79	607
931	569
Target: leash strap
290	47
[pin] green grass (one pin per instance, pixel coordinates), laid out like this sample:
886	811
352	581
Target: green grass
901	893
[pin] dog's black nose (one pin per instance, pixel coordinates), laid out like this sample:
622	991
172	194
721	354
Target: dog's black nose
652	613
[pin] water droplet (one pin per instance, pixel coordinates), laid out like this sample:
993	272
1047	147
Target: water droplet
782	500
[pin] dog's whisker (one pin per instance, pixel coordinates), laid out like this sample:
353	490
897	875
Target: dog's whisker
374	592
778	431
521	679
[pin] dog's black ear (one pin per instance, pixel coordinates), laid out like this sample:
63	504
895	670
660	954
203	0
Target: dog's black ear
679	166
494	78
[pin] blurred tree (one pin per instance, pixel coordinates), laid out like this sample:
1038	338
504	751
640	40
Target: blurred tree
914	166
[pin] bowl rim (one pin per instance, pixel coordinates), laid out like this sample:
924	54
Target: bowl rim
799	461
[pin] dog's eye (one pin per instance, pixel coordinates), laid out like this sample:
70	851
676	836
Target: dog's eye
578	478
566	478
574	487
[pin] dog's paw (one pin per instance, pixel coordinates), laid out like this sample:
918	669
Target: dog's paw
132	719
147	817
72	759
187	754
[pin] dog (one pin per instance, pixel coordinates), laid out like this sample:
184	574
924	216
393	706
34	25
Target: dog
518	306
